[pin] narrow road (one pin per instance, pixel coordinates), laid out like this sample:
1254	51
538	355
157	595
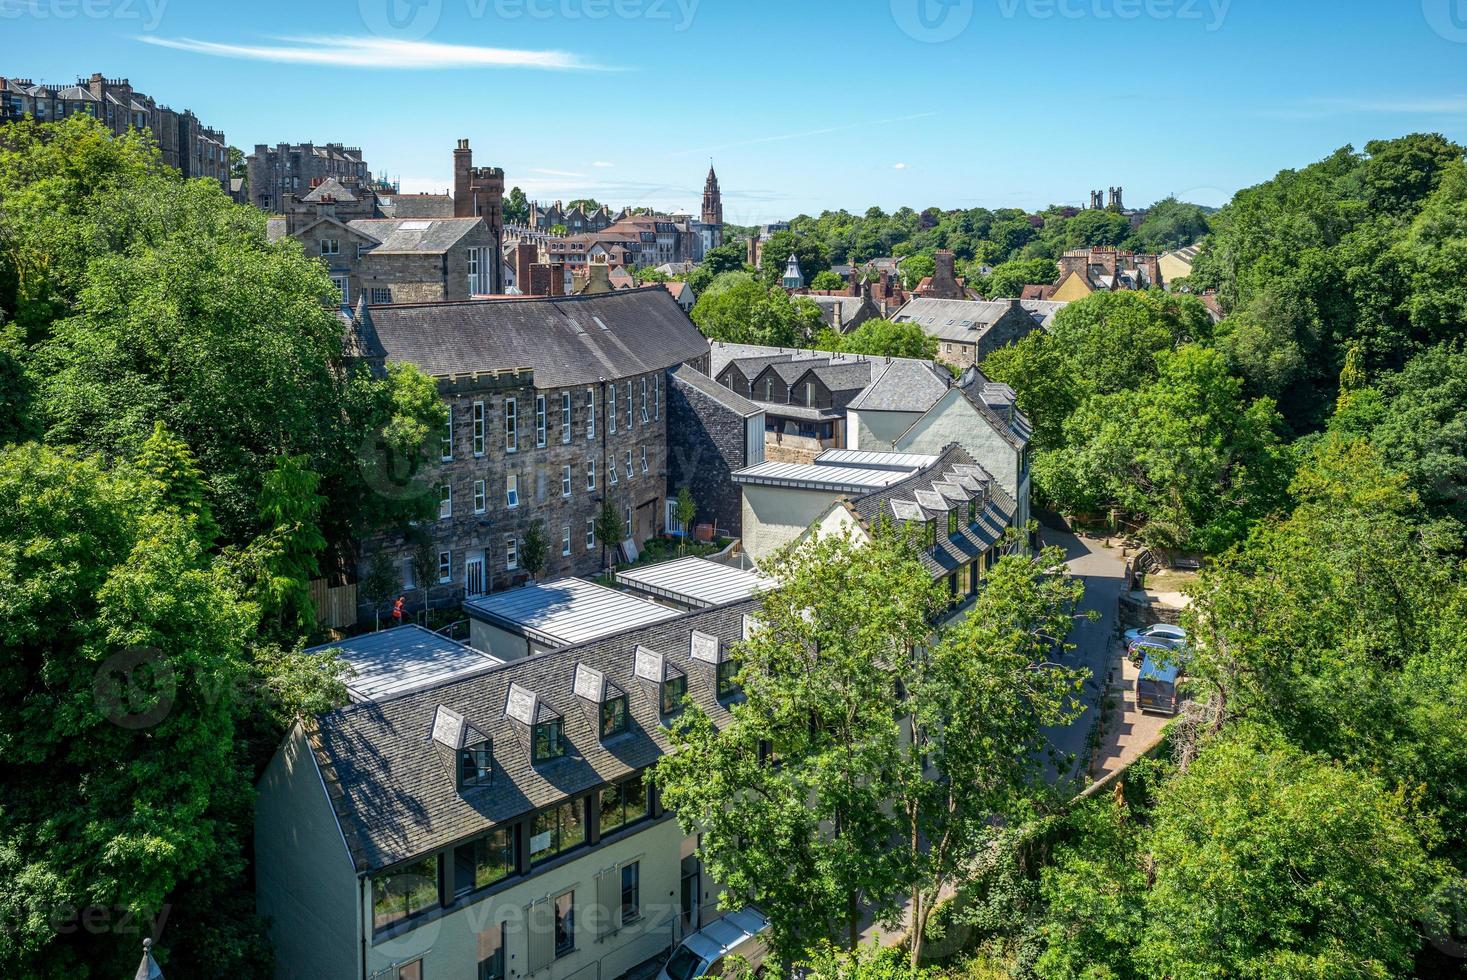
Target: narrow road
1103	571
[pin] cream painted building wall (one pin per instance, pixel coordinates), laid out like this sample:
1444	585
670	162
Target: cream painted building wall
953	419
775	516
876	431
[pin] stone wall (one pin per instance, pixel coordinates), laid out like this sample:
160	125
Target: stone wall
706	444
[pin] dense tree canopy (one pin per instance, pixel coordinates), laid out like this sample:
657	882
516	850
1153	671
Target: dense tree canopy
740	309
881	338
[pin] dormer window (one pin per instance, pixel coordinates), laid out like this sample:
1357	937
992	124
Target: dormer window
929	534
727	684
613	717
546	727
674	689
548	742
476	764
708	649
952	522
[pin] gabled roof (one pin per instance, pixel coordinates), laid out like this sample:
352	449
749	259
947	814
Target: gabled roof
727	397
416	205
331	189
903	386
959	320
416	236
395	800
565	339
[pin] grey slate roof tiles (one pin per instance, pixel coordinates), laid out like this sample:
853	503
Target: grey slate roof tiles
396	800
558	337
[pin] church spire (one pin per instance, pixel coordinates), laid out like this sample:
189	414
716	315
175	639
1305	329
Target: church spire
713	207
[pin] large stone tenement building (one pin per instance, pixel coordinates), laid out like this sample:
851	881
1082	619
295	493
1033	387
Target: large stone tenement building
275	174
186	144
556	405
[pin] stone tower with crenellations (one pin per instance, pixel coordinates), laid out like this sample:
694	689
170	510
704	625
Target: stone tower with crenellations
478	192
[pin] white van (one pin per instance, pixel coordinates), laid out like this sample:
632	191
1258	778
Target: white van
703	953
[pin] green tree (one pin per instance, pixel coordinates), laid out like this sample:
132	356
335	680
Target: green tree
534	548
915	268
809	840
1009	278
122	642
167	459
379	585
1188	454
516	207
980	703
290	508
687	510
739	309
1271	862
610	531
775	255
589	203
827	280
1169	224
883	338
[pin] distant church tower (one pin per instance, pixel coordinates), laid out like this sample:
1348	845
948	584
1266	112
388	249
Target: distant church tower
713	208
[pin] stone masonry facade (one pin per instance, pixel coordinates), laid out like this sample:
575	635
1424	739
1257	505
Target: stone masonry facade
509	459
708	444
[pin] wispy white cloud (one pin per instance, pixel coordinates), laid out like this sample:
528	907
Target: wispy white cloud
1403	106
899	166
863	124
602	163
376	52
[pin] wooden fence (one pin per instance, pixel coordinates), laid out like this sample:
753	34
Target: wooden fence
336	605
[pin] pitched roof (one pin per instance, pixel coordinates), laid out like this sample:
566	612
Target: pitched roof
566	340
929	493
416	236
954	319
395	798
416	205
726	397
565	611
329	189
903	386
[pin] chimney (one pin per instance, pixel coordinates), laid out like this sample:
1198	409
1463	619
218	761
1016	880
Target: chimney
557	278
463	163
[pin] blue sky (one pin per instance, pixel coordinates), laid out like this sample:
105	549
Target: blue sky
802	106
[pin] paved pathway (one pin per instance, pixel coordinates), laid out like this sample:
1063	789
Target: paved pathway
1103	571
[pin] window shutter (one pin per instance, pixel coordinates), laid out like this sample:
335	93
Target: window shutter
608	901
540	944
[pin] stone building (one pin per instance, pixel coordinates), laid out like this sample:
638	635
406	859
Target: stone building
943	283
275	174
712	222
967	331
712	432
557	404
377	249
186	144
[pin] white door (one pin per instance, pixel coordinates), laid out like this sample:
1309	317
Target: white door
474	576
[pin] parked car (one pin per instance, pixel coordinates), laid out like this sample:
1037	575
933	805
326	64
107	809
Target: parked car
1164	633
1141	649
703	953
1156	688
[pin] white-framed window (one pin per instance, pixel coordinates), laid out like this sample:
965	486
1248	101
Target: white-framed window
644	460
590	414
343	286
445	501
645	416
409	574
611	470
629	403
810	394
565	481
565	538
512	490
565	417
447	441
330	246
540	421
627	519
381	295
590	474
445	567
590	535
630	472
478	266
657	397
611	406
478	428
480	497
511	552
511	426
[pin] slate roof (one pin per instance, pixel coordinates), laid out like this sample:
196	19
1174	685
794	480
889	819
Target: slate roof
957	320
727	397
927	494
904	386
566	340
330	188
395	798
415	236
416	205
